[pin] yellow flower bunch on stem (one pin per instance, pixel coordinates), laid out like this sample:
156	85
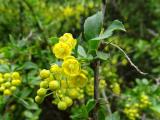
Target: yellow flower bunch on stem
9	82
66	81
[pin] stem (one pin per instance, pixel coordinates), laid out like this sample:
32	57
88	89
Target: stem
96	88
95	67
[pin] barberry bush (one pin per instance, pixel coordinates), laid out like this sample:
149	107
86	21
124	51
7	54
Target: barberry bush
79	60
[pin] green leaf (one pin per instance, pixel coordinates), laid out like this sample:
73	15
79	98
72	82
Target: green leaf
81	51
93	45
29	65
101	114
4	68
90	105
116	25
80	114
28	114
102	55
92	26
156	109
25	93
53	40
114	116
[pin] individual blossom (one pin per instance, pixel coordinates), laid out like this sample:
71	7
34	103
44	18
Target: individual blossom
68	39
61	50
55	69
102	84
79	80
71	67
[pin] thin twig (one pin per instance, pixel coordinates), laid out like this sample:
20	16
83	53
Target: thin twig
132	64
108	106
29	35
152	32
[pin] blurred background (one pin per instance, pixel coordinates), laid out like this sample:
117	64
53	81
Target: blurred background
27	25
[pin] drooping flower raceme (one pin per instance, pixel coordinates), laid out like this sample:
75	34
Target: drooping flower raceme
67	80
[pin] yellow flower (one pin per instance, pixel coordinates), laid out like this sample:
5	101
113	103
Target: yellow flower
61	50
55	69
79	80
68	11
90	89
68	39
71	67
15	75
73	93
102	84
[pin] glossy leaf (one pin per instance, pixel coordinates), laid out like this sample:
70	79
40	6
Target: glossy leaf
92	26
116	25
81	51
90	105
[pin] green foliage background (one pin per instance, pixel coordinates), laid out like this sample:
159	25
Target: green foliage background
26	30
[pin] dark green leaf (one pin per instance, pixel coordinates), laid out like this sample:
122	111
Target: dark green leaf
92	26
101	114
90	105
25	92
93	45
116	25
80	114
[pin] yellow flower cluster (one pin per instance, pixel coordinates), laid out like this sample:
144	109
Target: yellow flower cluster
73	11
9	82
144	101
116	88
64	47
66	81
133	110
65	87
